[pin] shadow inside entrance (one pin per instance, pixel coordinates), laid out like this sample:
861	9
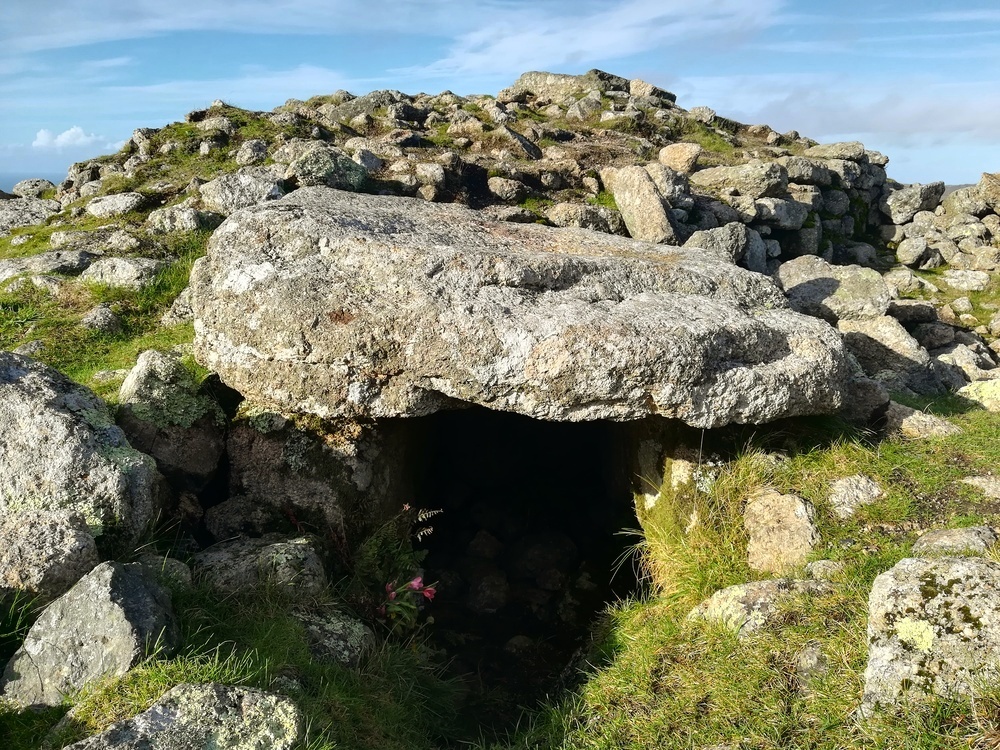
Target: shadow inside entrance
527	550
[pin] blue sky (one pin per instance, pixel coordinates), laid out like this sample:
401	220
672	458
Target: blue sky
918	80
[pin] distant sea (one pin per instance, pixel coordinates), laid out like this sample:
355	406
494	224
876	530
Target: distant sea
10	179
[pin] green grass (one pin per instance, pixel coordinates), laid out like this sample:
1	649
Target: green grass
395	699
603	198
31	314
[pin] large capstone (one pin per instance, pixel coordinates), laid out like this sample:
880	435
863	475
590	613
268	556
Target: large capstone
342	305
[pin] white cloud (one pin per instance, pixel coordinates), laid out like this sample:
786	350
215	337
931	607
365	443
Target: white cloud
75	137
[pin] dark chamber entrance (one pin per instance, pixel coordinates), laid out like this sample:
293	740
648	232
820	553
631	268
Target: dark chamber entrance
527	549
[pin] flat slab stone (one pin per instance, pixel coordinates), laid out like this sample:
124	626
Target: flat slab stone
346	305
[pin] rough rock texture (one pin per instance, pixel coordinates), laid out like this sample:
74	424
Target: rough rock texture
641	204
887	351
737	241
118	204
328	166
986	393
336	636
197	717
315	474
44	553
749	607
915	424
165	414
114	617
902	204
23	212
180	218
344	305
781	531
975	540
130	273
57	261
933	626
815	287
682	157
990	485
244	563
751	180
245	187
62	451
850	493
32	188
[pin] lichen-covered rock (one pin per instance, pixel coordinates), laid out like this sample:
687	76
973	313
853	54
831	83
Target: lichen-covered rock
915	424
165	414
197	717
641	204
32	188
584	216
847	150
342	305
245	187
736	240
974	540
815	287
241	564
129	273
749	607
112	619
119	204
781	530
901	204
69	262
850	493
336	636
986	393
326	165
965	280
23	212
933	627
886	350
44	553
62	451
181	218
754	180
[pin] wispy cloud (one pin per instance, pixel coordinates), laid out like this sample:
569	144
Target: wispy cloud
538	38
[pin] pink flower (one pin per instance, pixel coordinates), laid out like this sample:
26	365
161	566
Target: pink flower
390	589
417	583
429	592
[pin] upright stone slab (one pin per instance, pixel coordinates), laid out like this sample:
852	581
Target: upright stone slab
361	306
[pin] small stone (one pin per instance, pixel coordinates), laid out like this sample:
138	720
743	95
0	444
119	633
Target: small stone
781	531
915	424
989	485
749	607
975	540
129	273
336	636
102	318
824	570
850	493
115	205
239	564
